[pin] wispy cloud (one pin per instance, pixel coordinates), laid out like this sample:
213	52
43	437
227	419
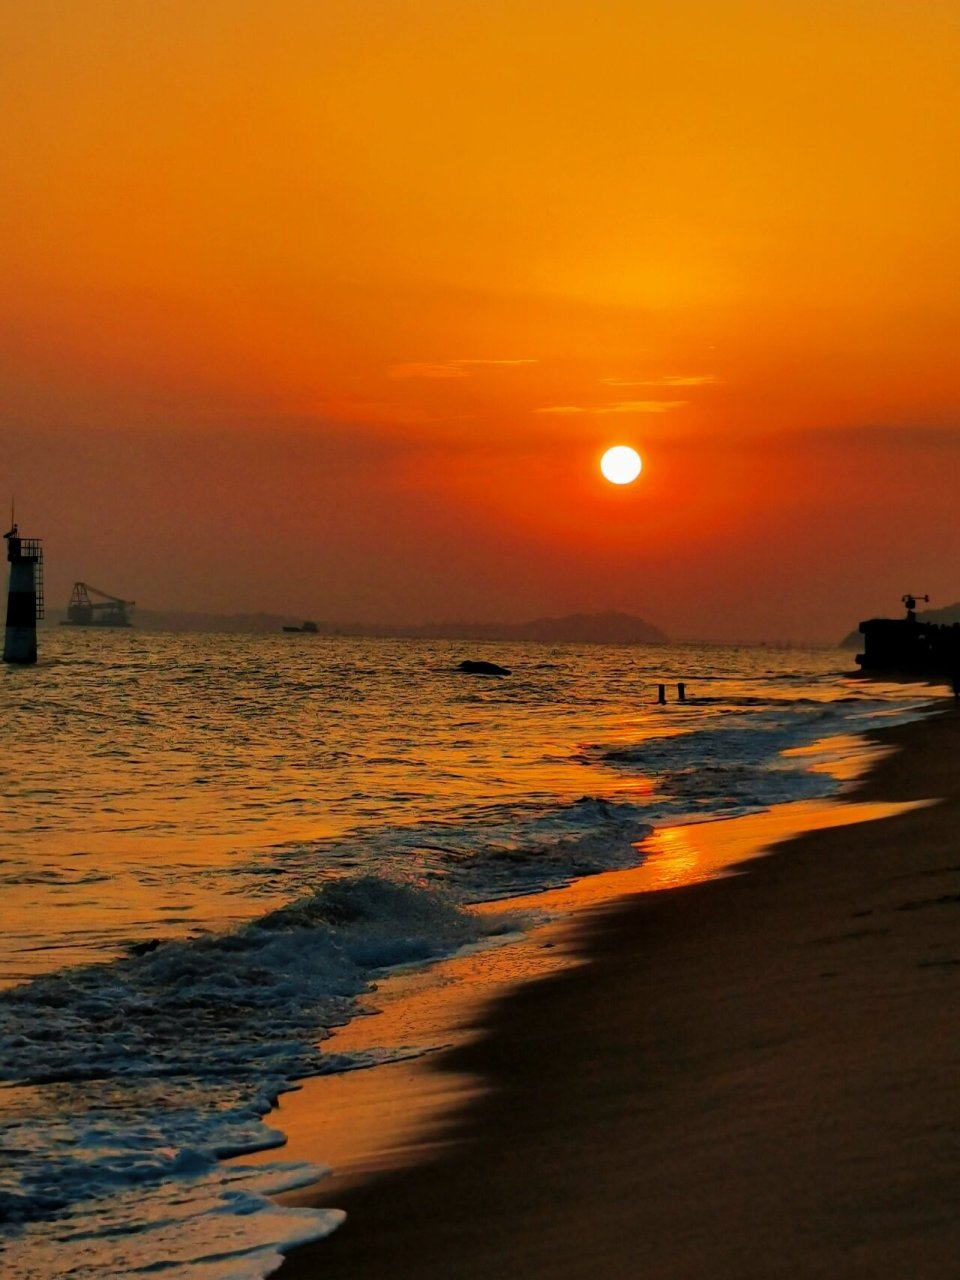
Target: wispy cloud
671	380
619	406
446	368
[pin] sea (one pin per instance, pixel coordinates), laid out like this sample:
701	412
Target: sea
214	845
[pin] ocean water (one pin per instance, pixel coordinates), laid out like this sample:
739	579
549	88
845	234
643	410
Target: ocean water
213	845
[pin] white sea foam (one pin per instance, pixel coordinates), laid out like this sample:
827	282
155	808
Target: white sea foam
494	851
743	762
215	1225
135	1077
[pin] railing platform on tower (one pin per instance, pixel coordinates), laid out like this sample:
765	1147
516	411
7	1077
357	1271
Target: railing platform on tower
32	549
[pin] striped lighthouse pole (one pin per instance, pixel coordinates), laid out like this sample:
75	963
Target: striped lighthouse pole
24	597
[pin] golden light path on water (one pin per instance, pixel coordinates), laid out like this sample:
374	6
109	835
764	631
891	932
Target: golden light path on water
161	779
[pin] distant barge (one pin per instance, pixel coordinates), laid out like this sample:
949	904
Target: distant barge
106	611
909	646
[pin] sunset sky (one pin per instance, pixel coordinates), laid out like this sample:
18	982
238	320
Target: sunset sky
329	309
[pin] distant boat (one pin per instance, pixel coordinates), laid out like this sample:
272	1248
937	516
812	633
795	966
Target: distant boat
307	628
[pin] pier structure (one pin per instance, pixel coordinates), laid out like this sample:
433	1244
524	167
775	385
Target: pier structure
24	597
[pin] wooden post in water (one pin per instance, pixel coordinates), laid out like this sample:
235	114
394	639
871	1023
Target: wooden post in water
682	691
661	694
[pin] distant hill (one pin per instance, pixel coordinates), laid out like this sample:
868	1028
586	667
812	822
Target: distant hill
947	616
176	620
588	628
577	628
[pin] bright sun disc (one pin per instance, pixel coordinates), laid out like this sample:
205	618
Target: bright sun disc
621	464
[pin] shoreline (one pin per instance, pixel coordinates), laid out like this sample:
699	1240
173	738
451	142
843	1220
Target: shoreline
359	1123
693	1088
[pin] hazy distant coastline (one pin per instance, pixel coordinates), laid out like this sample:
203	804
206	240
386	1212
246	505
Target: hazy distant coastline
577	628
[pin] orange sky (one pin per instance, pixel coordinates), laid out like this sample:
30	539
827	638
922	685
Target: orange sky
330	309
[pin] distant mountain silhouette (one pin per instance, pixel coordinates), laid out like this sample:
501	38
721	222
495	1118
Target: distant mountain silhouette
178	620
576	628
588	628
948	615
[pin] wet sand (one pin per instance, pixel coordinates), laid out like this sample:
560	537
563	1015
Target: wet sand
755	1076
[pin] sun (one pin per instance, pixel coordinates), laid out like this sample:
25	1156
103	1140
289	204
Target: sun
621	464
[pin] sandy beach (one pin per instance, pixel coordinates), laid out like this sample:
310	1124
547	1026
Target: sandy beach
748	1077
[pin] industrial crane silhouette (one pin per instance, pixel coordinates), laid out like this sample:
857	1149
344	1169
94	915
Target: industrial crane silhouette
107	611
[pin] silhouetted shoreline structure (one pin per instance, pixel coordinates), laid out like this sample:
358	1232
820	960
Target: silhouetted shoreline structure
24	597
909	645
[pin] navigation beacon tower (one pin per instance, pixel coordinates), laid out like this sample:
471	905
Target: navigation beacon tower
24	597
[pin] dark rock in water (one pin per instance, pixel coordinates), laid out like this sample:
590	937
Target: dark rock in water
472	668
144	948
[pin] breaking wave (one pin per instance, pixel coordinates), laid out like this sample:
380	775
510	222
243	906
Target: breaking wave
192	1043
